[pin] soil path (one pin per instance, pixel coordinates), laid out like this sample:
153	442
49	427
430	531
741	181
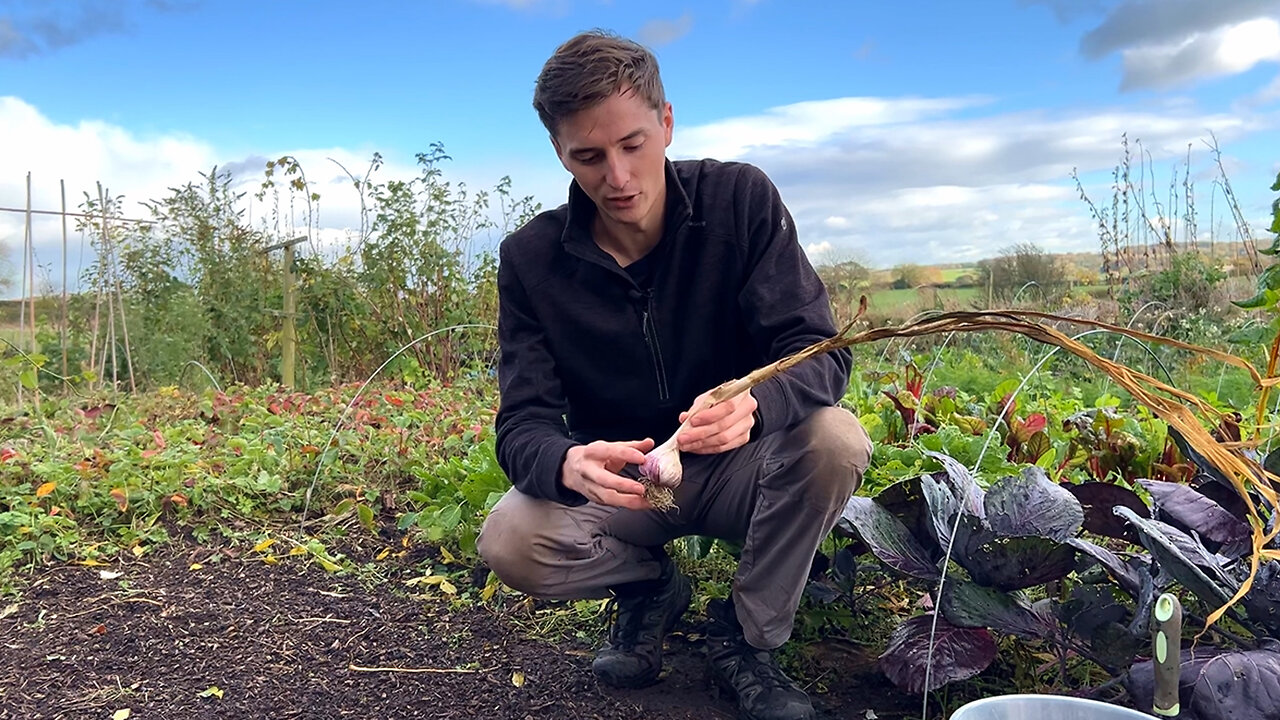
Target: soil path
243	639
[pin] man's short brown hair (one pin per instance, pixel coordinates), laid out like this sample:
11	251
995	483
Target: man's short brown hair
588	69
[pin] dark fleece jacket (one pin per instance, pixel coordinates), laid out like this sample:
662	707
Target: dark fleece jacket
587	354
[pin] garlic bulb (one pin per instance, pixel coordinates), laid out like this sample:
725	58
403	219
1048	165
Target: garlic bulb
662	465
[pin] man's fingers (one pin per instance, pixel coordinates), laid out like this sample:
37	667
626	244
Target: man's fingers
718	444
630	502
711	415
621	453
737	423
616	483
621	497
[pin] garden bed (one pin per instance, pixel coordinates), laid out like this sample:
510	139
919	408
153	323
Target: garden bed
206	632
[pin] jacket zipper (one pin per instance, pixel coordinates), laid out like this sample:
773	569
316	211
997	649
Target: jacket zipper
646	314
655	350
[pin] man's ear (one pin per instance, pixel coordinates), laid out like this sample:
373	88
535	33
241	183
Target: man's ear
668	124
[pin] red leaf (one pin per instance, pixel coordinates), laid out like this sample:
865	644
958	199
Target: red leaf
1034	423
915	381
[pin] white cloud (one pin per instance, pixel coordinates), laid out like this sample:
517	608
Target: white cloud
1177	42
816	251
908	181
656	33
40	28
881	179
1226	51
807	123
81	155
145	167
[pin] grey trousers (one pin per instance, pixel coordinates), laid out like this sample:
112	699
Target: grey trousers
777	497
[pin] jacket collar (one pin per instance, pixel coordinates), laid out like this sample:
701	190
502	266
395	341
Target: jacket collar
581	211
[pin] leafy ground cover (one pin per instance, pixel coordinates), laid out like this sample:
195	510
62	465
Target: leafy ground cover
157	559
154	532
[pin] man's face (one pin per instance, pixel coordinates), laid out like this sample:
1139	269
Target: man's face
617	153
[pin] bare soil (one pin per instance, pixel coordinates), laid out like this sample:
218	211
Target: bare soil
240	638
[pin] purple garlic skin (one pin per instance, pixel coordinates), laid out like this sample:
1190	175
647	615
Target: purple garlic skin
662	465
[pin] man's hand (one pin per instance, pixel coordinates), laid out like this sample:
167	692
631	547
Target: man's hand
723	427
593	471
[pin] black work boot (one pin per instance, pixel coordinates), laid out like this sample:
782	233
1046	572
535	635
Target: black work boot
645	613
750	675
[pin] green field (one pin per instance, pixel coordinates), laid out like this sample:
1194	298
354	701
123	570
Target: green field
953	274
890	301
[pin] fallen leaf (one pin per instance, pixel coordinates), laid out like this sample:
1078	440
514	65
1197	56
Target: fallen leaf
121	714
425	580
138	550
45	489
8	610
212	691
109	574
383	555
121	498
196	566
178	499
447	557
264	544
517	678
269	559
488	591
101	629
298	550
90	563
448	588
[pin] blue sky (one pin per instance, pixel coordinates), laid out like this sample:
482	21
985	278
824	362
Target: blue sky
897	132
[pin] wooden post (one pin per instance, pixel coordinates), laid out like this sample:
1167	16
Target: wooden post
1166	636
289	331
109	264
289	338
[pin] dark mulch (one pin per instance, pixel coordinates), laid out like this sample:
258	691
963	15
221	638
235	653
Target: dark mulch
279	641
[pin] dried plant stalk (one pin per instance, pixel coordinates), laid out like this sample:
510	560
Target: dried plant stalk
1170	404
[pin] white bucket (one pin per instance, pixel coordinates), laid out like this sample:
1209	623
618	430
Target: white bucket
1044	707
